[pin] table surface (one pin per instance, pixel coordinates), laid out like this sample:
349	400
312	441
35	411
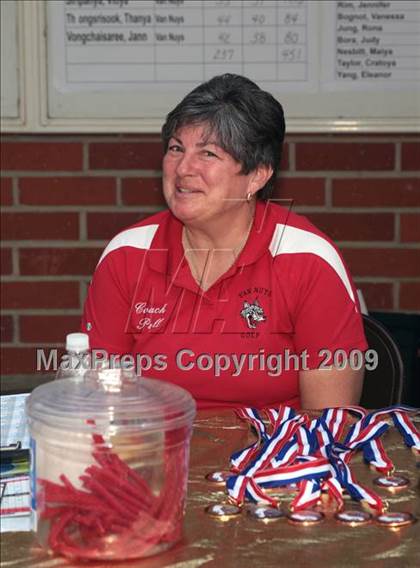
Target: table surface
245	542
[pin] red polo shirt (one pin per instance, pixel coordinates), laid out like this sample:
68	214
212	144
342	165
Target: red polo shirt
287	303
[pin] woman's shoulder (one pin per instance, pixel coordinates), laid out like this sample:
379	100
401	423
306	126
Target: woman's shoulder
285	216
304	252
292	238
139	236
156	220
292	232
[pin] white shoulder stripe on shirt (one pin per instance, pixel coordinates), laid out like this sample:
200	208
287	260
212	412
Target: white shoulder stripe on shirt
138	237
291	240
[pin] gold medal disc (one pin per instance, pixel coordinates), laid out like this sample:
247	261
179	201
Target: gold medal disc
353	517
218	477
306	518
223	511
392	482
395	520
265	513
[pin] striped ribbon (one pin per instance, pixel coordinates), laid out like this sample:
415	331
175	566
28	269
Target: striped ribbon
251	486
373	451
347	481
240	459
310	453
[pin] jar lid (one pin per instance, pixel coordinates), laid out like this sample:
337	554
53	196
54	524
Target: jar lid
115	397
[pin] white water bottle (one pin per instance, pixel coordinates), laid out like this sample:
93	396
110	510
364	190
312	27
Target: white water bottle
77	360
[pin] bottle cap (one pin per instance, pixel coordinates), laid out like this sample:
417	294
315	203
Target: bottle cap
77	342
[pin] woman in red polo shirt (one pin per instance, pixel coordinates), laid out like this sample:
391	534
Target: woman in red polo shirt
227	293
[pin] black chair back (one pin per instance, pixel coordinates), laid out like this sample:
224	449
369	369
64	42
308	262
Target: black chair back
383	385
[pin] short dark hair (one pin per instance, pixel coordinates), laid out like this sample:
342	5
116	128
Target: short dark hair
248	122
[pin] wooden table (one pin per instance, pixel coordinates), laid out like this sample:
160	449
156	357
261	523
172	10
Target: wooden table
244	542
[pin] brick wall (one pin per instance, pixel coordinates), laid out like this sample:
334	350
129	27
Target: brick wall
64	197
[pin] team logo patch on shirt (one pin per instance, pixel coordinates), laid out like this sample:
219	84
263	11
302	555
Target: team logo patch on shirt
253	314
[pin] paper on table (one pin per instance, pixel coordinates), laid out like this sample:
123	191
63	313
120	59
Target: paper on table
15	524
13	423
15	504
14	485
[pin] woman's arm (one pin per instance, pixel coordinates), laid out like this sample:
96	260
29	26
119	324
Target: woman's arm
330	387
107	306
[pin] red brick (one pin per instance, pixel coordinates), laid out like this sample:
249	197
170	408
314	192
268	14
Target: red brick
301	191
107	225
144	137
410	296
383	262
67	191
142	191
47	329
344	156
6	328
410	227
377	295
45	156
39	295
18	360
284	162
355	226
410	156
125	156
6	261
6	191
33	226
376	192
61	261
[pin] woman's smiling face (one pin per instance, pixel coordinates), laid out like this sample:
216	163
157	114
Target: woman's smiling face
201	182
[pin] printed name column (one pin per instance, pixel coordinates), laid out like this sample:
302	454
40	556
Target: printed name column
377	41
178	37
109	42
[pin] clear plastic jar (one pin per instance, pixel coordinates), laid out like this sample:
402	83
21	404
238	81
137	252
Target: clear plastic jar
109	459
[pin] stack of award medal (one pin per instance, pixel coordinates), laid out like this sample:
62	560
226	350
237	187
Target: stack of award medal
312	457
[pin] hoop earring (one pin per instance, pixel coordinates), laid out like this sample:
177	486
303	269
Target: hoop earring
249	196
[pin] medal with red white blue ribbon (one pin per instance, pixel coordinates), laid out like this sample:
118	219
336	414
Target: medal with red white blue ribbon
315	455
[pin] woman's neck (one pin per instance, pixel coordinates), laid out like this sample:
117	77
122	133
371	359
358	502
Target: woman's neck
221	234
211	254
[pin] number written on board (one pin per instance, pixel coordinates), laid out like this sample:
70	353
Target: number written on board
223	54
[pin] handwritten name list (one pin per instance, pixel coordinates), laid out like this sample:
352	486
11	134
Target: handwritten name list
141	41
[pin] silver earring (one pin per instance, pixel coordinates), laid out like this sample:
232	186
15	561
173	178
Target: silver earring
248	196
